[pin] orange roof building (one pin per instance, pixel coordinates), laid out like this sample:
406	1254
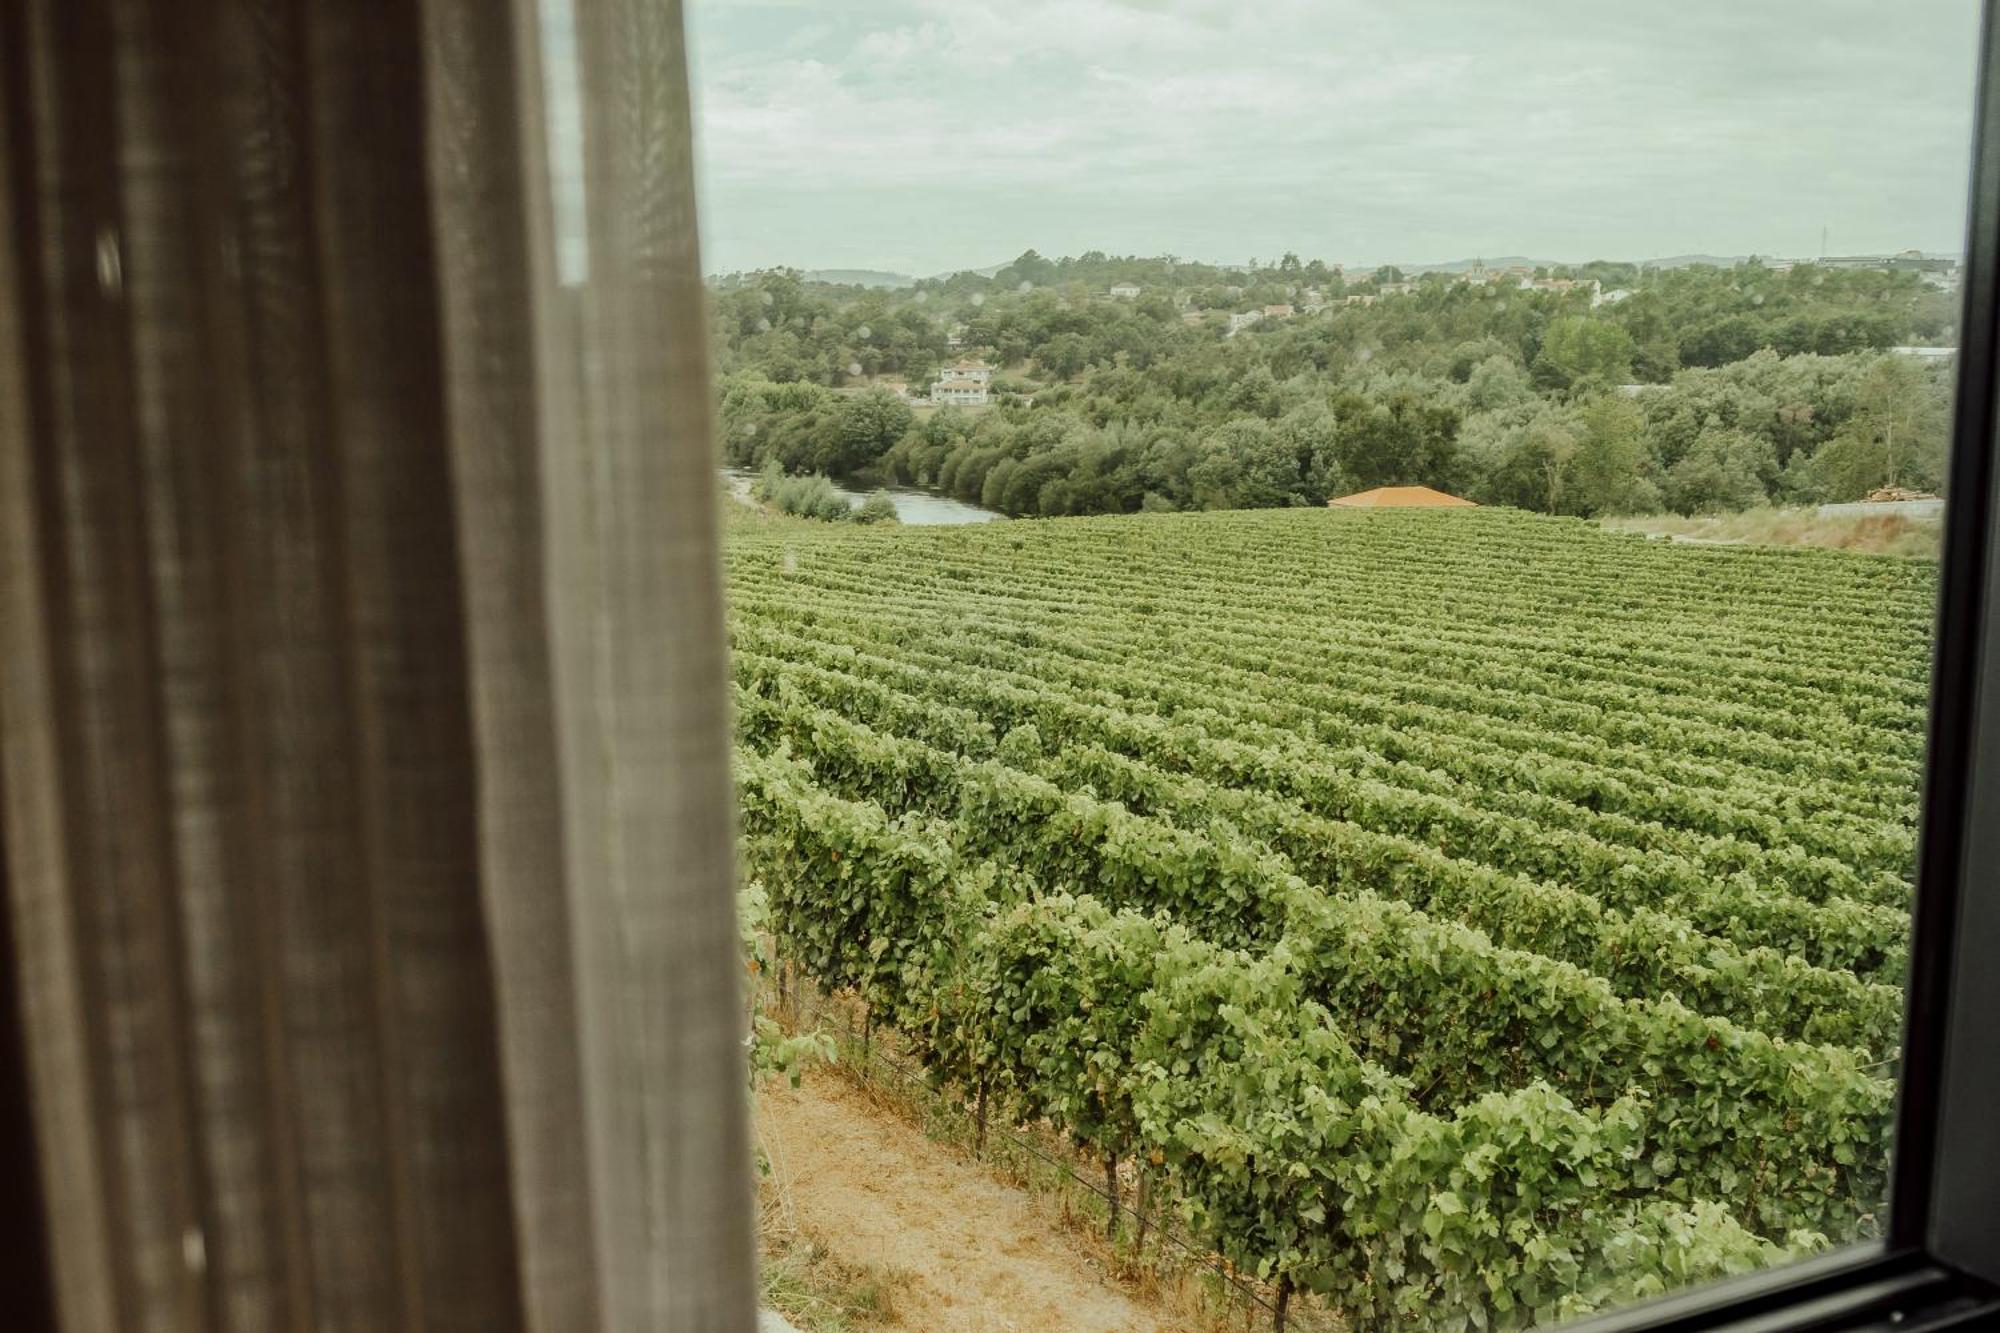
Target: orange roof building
1400	497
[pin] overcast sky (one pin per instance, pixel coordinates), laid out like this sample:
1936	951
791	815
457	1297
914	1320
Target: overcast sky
932	135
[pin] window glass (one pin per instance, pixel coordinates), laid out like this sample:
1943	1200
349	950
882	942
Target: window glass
1331	616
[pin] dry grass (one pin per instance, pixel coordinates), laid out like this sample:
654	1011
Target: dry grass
1179	1288
1875	534
802	1279
1185	1294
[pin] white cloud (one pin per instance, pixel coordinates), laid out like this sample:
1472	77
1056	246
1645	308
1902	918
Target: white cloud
930	132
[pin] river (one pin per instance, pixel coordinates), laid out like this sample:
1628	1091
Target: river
918	508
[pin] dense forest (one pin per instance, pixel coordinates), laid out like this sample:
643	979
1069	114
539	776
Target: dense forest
1599	389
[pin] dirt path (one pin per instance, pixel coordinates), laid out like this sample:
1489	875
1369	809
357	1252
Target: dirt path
971	1254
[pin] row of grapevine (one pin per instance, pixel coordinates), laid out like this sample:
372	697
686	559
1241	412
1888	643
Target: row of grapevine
1296	1157
1761	601
1799	695
1435	1001
1868	938
1471	918
1488	684
1643	952
1611	806
1754	803
1523	683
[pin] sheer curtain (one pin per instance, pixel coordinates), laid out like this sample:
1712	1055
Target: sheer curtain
366	815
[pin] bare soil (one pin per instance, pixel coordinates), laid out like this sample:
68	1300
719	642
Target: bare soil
961	1251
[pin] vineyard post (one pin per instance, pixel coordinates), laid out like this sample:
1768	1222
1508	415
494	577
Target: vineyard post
979	1119
1284	1303
1141	1208
1111	1195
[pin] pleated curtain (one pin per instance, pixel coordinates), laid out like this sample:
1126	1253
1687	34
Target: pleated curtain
363	739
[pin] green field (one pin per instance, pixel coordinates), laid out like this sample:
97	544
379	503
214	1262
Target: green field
1468	916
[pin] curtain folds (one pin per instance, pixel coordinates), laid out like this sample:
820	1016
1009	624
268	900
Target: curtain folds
367	817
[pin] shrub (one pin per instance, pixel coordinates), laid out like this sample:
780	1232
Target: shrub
877	508
806	497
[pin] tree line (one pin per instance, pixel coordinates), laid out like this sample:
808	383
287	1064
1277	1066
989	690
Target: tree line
1702	390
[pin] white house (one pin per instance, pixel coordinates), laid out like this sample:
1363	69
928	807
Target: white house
1126	291
965	383
1238	323
959	393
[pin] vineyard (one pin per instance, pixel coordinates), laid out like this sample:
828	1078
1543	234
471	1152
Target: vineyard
1468	917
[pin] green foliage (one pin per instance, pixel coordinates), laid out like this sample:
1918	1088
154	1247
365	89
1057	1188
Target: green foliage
1294	1156
877	508
1488	390
1895	437
804	497
1062	356
1403	440
1472	956
1610	472
773	1051
1723	471
866	426
1578	352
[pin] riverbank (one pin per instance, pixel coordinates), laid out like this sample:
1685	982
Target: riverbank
914	505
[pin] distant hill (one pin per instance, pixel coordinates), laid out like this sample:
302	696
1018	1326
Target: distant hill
1689	261
986	272
1461	265
859	277
1510	261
